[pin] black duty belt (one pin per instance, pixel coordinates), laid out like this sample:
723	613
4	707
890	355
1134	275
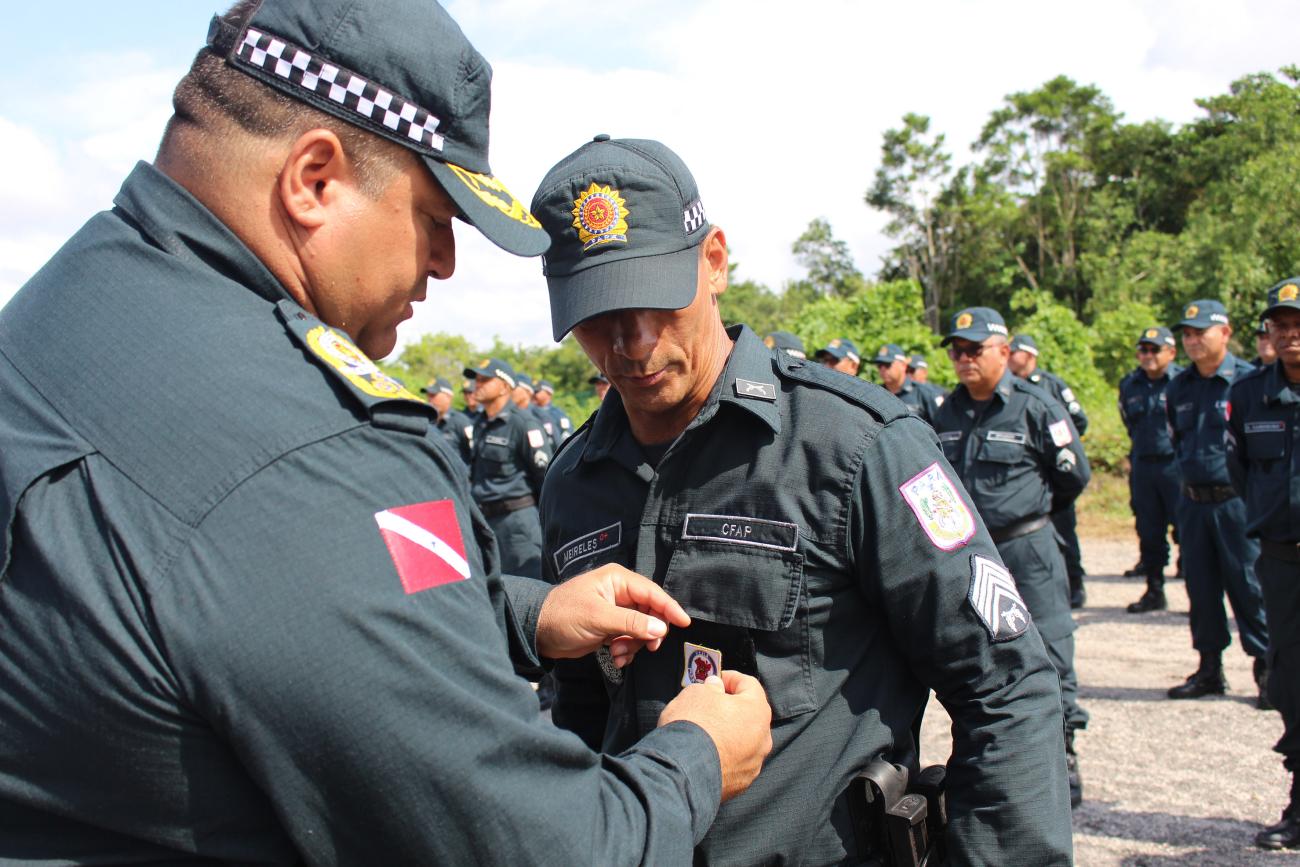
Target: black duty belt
1015	531
504	507
1155	459
1209	493
1288	551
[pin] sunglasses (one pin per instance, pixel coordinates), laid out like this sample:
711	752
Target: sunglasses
969	352
1148	349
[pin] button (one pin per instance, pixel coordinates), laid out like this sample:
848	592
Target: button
604	136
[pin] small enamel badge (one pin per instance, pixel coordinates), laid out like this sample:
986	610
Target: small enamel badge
600	216
996	600
700	663
939	508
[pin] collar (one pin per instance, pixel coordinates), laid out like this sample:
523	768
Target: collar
1227	369
748	382
1002	390
180	224
907	386
1276	388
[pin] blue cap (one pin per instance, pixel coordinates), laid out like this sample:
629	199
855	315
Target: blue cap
841	348
1203	313
976	324
491	367
1024	343
1284	295
597	378
786	342
889	353
544	385
1157	335
439	384
918	362
523	380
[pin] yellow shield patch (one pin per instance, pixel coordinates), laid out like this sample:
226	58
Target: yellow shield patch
964	320
1288	292
600	216
1152	333
1190	312
343	355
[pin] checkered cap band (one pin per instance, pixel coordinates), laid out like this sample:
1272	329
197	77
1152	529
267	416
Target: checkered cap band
371	105
693	216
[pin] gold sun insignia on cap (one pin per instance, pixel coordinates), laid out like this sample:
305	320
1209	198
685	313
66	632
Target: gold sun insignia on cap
884	350
484	363
1191	312
964	320
835	344
769	341
1288	292
600	216
1151	332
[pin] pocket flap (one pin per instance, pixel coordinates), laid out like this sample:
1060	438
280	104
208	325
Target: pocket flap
745	585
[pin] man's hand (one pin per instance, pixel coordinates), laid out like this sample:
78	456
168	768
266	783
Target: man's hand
733	709
609	605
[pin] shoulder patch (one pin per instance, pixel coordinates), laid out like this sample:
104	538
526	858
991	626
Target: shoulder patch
535	438
938	508
876	400
995	599
1060	431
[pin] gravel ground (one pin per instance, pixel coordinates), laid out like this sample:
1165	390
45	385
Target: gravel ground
1165	782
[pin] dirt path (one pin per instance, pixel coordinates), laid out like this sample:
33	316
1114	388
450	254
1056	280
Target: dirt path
1165	782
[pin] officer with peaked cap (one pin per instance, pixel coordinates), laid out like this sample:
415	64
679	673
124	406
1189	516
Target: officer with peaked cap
1264	462
511	454
1154	479
1024	363
840	354
278	634
1265	354
523	399
788	343
922	401
456	427
1218	556
807	522
545	401
918	368
1019	455
601	383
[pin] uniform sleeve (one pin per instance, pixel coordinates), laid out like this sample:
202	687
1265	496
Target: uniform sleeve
1060	454
365	684
1235	439
1008	799
1123	410
534	452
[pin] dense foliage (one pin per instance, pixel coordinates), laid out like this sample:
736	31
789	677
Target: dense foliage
1081	228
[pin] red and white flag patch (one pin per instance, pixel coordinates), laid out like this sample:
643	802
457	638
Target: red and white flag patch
425	543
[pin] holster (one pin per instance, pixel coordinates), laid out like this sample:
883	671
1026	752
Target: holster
897	824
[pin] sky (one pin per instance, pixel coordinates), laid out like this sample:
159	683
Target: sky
777	108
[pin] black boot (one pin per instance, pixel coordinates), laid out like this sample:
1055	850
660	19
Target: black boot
1072	770
1286	833
1078	595
1153	599
1139	568
1261	681
1206	680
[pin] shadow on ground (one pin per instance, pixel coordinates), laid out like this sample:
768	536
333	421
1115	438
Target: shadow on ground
1211	841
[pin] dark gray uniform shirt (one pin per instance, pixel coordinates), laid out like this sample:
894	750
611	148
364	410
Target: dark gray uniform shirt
818	538
1197	410
1056	387
1142	408
511	454
921	398
211	649
1263	444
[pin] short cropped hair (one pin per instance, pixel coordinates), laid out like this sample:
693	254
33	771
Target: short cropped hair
213	92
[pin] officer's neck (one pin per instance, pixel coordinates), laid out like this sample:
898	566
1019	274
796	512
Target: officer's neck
494	406
1207	367
984	389
652	425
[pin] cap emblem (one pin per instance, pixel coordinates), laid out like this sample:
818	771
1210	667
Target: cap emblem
600	216
1190	312
835	344
1152	333
1288	292
769	342
964	320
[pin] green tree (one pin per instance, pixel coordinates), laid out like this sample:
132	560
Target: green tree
830	264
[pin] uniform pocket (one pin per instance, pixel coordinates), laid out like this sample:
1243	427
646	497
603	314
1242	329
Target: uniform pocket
1266	440
754	607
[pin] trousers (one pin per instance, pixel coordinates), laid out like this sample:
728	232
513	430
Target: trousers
1280	581
1219	559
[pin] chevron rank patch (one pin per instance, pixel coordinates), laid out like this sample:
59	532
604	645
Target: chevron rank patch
996	600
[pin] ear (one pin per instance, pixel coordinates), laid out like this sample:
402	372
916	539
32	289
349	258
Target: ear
312	177
714	260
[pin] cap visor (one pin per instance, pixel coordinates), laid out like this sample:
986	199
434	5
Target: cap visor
664	282
967	334
488	206
1281	305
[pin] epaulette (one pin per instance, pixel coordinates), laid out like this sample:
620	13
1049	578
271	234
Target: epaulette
385	400
867	395
559	450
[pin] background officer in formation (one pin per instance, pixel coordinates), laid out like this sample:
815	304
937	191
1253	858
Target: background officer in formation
511	454
467	395
1154	480
1264	462
1024	363
921	400
1265	354
600	382
840	354
788	343
807	523
919	369
1217	555
278	634
456	427
1019	455
544	401
522	398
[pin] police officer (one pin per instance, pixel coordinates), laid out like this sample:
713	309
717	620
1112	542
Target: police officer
1024	363
278	634
1153	474
511	454
522	398
1218	555
842	355
788	343
467	395
544	400
456	427
600	383
1019	455
809	525
1264	462
921	400
919	369
1265	354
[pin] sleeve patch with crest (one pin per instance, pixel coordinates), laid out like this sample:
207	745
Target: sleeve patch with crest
939	508
535	438
996	600
1060	431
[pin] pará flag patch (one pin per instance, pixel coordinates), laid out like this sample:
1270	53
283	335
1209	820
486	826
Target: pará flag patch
996	600
939	508
1060	431
425	543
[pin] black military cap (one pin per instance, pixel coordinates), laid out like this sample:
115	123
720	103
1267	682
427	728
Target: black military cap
1203	313
1284	295
1157	335
1024	343
976	324
439	384
523	380
918	362
490	367
889	353
597	378
787	342
401	69
544	385
840	348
